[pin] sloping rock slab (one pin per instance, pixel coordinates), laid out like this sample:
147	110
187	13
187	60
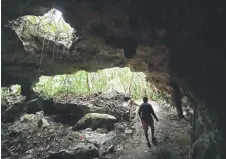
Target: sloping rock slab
39	104
103	140
82	150
95	120
14	107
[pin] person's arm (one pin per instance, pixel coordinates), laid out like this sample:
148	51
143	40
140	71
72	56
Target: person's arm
139	112
153	113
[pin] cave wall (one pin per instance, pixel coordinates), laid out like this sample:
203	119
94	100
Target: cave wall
169	40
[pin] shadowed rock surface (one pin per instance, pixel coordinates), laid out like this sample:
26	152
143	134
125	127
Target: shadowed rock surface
29	135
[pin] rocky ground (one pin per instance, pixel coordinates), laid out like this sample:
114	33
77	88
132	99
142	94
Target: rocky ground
102	125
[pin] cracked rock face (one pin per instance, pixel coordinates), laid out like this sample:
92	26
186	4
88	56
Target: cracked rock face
166	40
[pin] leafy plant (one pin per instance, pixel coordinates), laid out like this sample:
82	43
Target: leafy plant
14	90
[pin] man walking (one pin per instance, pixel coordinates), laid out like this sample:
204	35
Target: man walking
145	113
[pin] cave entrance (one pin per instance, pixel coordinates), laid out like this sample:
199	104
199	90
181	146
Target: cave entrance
94	108
91	108
122	80
50	27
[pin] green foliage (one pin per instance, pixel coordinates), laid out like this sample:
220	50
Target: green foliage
50	26
32	19
114	79
14	90
48	22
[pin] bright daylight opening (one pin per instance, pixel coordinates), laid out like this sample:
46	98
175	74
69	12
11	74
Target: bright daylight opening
50	26
121	80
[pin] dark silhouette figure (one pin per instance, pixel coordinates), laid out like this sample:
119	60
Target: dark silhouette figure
146	112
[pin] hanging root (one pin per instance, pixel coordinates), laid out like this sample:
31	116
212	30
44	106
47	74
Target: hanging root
15	51
43	44
53	54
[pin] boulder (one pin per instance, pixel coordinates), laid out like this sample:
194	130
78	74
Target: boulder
27	117
69	109
39	104
82	150
97	138
67	113
95	120
102	131
103	140
204	147
88	151
43	123
121	127
14	108
67	154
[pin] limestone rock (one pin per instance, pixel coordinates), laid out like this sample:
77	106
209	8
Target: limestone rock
88	151
120	127
82	150
204	147
104	141
110	149
69	109
102	131
14	109
95	120
61	154
128	131
39	104
29	122
27	117
43	123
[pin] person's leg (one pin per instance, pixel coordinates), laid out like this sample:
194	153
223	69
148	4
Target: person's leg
151	124
145	127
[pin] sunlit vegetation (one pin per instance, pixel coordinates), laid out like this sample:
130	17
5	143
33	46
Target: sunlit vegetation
50	26
13	90
114	79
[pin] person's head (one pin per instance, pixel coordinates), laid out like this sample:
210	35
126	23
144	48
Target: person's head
145	99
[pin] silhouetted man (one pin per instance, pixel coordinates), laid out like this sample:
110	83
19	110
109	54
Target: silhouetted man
145	112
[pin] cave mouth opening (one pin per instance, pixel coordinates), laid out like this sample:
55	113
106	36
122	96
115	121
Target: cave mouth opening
51	26
114	82
115	79
97	99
